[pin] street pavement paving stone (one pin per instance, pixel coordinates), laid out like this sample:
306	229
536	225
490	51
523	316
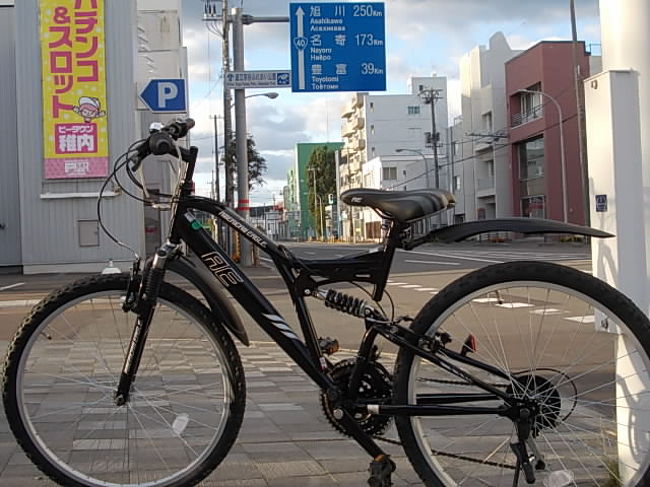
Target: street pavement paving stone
285	440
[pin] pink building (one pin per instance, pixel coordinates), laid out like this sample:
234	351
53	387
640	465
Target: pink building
534	131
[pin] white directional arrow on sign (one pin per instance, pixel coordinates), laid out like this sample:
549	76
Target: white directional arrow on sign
300	15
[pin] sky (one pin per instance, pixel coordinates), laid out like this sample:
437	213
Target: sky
422	37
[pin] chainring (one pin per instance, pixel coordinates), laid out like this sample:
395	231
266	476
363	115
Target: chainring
376	384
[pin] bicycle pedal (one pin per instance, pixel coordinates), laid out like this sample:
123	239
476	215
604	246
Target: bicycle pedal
328	345
380	472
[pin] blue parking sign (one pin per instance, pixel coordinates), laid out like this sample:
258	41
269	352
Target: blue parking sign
338	46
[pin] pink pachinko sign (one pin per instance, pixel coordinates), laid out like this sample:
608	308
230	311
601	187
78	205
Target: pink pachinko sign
75	127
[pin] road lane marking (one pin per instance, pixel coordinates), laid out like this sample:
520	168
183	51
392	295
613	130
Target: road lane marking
422	289
431	262
410	286
582	319
18	303
451	256
395	283
485	300
514	305
11	286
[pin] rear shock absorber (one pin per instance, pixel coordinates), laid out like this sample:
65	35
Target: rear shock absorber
347	304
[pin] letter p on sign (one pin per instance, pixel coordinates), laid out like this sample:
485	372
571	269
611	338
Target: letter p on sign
166	92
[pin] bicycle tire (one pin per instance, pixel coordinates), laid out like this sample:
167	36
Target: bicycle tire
173	404
454	450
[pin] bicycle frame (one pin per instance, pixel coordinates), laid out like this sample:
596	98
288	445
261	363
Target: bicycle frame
370	267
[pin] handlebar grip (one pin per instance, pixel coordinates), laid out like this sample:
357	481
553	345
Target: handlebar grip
161	143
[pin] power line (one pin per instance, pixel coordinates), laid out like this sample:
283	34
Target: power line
496	148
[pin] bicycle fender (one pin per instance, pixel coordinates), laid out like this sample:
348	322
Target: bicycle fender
220	306
461	231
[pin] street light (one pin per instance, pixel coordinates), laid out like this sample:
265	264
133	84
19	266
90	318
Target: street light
562	154
426	163
271	95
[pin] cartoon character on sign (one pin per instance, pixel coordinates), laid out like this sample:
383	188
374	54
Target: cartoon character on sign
89	108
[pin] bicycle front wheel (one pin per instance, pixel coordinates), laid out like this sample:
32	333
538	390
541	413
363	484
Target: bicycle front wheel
61	373
563	340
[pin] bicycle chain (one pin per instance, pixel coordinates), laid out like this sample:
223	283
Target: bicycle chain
452	455
458	382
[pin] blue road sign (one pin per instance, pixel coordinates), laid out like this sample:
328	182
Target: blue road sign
338	47
165	95
601	203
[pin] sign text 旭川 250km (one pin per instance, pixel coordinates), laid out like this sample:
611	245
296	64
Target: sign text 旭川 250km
338	47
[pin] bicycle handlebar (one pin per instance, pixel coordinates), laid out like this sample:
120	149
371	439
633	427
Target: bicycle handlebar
162	142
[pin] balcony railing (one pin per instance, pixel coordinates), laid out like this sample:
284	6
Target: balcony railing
525	117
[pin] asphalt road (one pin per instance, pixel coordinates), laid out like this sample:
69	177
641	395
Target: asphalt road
453	257
415	278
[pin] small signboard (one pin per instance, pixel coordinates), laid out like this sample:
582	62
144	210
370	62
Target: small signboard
338	46
237	80
165	95
601	203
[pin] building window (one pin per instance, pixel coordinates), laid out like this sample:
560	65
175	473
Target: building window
533	206
372	129
530	106
414	110
487	122
456	183
531	159
389	173
454	148
372	106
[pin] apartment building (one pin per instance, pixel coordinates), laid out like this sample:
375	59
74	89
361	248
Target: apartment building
483	177
543	144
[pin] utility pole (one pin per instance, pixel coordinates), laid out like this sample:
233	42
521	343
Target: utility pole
241	135
227	108
211	16
217	190
580	102
431	96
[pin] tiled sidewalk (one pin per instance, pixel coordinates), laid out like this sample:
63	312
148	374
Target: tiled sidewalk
285	440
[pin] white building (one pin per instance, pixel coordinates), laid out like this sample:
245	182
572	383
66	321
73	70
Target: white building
484	187
382	135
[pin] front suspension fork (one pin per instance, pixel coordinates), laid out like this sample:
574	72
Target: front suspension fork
145	306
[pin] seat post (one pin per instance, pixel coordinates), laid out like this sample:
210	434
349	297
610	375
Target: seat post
393	240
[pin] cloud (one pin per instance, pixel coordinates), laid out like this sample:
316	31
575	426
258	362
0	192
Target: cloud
423	36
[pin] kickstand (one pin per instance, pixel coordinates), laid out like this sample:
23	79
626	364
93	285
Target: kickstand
381	469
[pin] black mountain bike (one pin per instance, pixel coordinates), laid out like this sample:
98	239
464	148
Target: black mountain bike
518	372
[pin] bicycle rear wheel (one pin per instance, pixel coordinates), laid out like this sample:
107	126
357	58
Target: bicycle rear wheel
544	326
186	404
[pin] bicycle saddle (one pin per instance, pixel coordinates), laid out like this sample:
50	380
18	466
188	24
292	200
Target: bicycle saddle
402	206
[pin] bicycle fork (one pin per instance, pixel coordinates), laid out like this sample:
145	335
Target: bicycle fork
145	305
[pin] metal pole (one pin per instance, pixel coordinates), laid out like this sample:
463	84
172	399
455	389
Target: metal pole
562	155
241	134
580	103
434	136
227	121
217	191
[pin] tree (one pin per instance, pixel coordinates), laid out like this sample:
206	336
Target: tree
256	163
321	167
